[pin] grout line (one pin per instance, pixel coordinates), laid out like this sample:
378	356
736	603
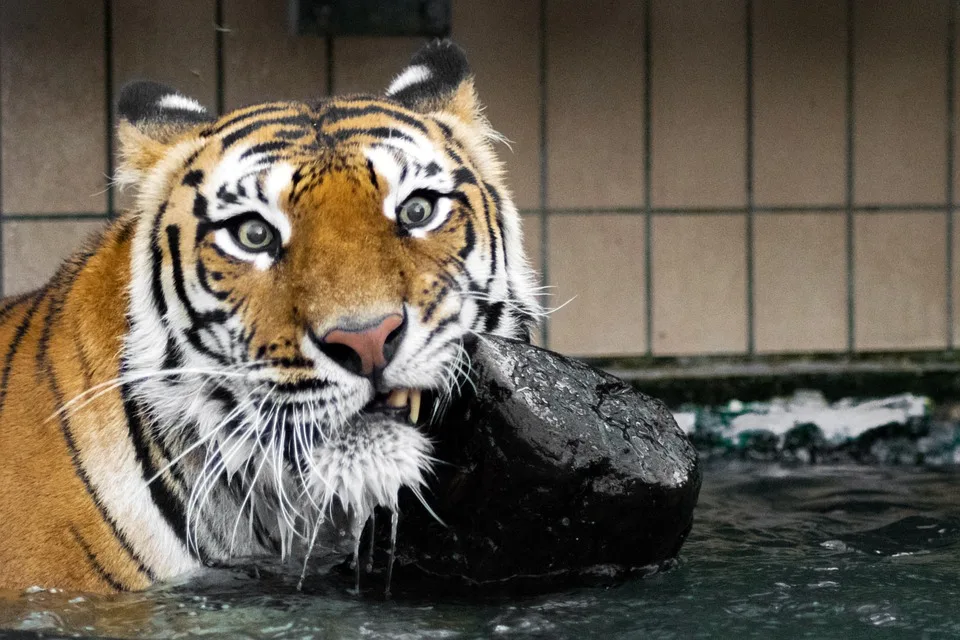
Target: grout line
648	172
750	293
905	208
108	93
849	106
544	227
218	61
53	217
951	148
330	65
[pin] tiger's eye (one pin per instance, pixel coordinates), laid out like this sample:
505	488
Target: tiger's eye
255	235
415	211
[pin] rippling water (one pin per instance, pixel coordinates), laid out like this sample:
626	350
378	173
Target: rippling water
820	552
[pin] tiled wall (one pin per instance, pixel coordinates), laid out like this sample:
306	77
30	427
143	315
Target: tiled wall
700	176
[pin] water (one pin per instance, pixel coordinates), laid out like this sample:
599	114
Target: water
821	552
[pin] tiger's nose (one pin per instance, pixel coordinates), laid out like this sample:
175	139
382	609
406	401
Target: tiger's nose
364	349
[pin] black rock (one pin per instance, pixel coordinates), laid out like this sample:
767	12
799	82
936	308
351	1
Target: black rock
551	472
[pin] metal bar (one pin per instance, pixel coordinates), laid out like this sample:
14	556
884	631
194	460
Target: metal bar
648	173
850	210
950	149
330	66
108	97
2	216
218	52
751	307
544	226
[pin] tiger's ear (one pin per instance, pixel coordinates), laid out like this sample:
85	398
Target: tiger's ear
152	118
438	78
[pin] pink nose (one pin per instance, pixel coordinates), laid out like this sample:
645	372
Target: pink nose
366	349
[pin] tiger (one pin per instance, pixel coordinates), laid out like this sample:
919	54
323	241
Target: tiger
240	365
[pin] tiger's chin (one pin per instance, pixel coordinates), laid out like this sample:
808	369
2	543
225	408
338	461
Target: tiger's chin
367	465
316	493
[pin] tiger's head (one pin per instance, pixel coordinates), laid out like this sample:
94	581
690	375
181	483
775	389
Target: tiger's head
301	273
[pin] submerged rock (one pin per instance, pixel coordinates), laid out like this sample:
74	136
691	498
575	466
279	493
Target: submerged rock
549	472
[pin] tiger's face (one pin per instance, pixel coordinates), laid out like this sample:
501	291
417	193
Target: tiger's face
302	274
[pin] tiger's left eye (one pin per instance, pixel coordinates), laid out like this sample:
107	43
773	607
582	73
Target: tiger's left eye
415	211
255	235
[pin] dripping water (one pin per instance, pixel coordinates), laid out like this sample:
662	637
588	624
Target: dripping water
394	518
355	564
306	557
372	546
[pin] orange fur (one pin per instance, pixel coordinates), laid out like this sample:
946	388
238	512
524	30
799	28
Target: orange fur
51	531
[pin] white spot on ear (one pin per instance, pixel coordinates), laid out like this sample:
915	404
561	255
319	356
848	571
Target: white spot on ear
183	103
411	75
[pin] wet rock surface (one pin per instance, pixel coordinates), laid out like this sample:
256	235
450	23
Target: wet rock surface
551	472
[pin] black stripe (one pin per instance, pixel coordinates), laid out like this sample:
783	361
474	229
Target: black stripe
15	346
296	362
494	313
156	282
179	284
373	175
192	178
264	147
126	229
81	472
443	324
205	283
373	132
291	134
344	113
235	120
43	370
225	197
172	510
228	140
98	568
60	286
492	234
457	159
301	385
85	368
9	305
198	320
200	206
431	308
470	237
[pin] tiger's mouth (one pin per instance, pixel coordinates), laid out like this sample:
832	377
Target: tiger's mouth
399	404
